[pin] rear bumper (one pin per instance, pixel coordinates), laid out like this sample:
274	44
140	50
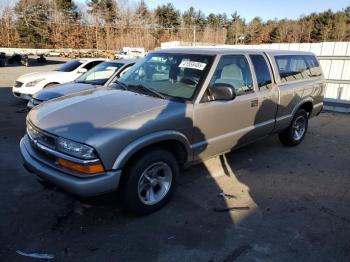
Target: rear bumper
85	187
317	109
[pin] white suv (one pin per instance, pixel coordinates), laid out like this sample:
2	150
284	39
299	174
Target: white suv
27	85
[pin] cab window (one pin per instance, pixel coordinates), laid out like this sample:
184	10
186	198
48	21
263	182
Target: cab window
234	70
90	65
315	69
292	67
262	72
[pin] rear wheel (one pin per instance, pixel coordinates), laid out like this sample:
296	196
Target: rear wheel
149	181
295	133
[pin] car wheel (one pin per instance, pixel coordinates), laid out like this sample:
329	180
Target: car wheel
149	181
295	133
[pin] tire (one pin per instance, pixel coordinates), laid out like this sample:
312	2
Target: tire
296	131
149	173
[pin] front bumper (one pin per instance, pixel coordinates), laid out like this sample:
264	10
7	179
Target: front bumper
22	95
81	186
25	92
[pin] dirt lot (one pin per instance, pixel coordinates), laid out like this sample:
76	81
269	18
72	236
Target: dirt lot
298	199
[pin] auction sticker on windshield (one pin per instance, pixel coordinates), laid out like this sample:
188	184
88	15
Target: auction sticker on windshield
193	65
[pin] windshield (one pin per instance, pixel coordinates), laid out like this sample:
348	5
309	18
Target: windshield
99	74
175	75
69	66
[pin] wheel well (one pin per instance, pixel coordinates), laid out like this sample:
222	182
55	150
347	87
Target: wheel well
173	146
307	106
51	84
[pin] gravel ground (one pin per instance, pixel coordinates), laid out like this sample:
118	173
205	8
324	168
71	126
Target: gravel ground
297	203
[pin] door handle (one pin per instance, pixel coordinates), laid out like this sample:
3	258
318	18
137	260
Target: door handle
254	103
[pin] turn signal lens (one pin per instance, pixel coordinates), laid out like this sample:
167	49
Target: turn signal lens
87	169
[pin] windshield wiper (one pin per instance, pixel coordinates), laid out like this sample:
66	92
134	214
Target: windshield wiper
149	90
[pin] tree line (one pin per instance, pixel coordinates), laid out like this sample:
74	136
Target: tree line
108	25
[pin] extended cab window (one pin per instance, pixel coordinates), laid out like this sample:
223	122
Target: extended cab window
262	71
292	67
234	70
315	69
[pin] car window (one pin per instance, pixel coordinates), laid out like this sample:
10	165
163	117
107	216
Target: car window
69	66
262	71
314	66
90	65
99	74
176	75
234	70
124	70
292	67
120	74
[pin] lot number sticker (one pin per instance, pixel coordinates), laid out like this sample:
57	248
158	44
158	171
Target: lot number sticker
193	65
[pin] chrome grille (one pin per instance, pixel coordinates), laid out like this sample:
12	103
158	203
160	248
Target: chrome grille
38	136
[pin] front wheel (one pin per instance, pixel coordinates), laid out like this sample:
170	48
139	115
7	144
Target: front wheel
149	181
296	131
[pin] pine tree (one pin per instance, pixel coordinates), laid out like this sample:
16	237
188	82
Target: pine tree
104	11
142	13
235	33
68	8
32	22
189	17
168	16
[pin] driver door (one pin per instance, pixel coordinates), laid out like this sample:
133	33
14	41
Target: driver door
222	125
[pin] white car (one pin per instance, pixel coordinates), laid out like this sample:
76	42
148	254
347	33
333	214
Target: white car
27	85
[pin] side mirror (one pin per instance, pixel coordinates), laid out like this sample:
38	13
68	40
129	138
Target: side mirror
82	70
222	91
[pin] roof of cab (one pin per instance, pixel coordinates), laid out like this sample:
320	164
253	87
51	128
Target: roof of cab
225	51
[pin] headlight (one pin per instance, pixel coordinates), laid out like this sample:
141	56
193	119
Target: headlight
33	83
75	149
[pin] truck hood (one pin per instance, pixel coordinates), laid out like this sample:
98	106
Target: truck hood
61	90
38	75
83	115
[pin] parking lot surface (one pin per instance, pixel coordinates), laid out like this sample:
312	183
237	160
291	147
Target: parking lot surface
289	204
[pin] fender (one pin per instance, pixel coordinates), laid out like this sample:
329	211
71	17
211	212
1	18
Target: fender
284	121
147	140
303	101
